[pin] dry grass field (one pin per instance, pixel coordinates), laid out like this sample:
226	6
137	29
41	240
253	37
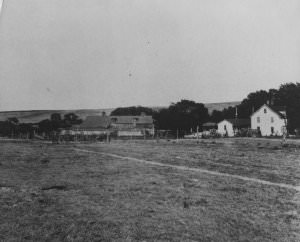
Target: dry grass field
214	190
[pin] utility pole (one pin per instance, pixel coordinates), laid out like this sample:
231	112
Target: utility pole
284	130
236	116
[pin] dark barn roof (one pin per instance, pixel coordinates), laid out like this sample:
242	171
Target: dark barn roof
104	122
96	122
130	119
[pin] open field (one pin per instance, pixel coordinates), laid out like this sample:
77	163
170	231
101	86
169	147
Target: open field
214	190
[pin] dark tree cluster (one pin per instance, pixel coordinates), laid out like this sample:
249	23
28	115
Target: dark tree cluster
136	111
13	128
56	122
183	116
288	95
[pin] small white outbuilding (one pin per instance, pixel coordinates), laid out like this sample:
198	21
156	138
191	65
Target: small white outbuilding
269	120
229	127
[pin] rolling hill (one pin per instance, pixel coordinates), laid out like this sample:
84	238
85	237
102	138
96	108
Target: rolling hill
35	116
220	106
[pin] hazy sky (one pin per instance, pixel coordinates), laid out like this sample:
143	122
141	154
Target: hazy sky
60	54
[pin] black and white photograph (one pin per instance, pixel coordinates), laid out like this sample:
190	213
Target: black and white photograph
150	120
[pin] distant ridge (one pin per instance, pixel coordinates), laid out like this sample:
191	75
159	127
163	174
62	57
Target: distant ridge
212	106
35	116
220	106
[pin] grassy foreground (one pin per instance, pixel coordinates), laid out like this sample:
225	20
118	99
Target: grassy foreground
54	193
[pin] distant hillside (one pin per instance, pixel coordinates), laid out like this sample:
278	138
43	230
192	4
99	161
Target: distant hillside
35	116
220	106
211	106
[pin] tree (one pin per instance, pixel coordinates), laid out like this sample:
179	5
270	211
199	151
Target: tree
56	121
25	128
288	95
13	120
71	119
136	111
184	116
53	124
7	128
253	102
55	117
46	126
216	116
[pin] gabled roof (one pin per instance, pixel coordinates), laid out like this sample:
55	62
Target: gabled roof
239	122
96	122
275	109
130	119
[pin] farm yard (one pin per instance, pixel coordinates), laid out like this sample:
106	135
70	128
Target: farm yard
211	190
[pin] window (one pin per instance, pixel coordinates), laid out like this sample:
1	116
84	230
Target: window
225	128
272	119
258	119
272	130
265	110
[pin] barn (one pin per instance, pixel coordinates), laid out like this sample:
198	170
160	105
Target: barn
229	127
95	125
132	125
269	120
92	128
120	126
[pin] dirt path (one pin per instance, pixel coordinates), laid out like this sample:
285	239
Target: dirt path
199	170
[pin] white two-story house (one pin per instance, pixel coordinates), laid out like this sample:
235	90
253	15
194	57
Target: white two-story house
269	120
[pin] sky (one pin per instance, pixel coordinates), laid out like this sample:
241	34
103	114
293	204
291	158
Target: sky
72	54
